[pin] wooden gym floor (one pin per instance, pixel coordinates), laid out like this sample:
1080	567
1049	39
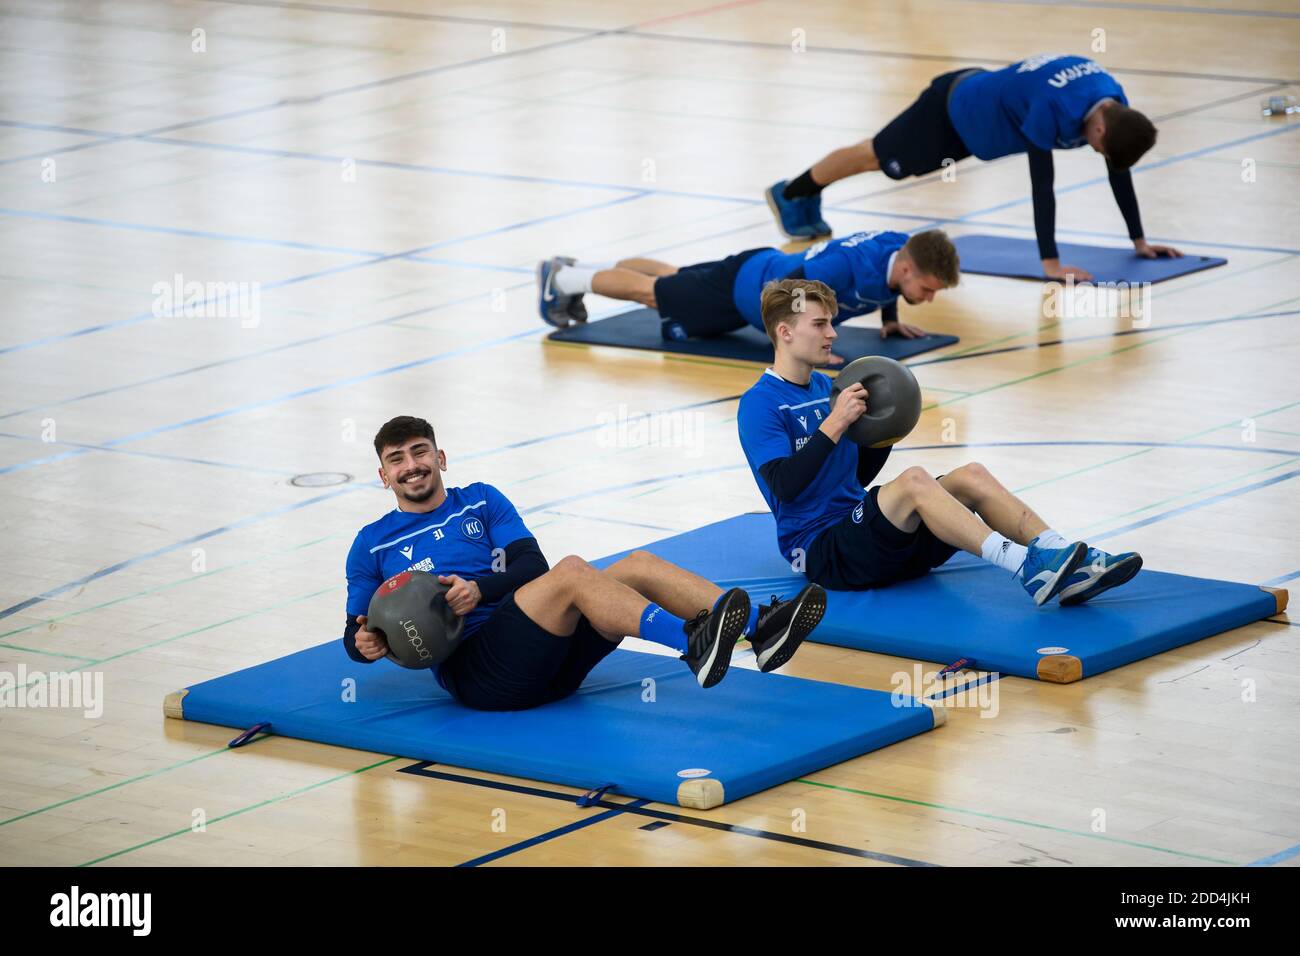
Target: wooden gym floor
388	172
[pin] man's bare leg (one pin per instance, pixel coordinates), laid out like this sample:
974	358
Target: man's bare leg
647	267
845	162
977	489
573	589
916	496
675	589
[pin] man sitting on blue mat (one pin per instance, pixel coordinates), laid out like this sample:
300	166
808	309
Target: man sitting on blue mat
867	270
532	633
813	480
1040	104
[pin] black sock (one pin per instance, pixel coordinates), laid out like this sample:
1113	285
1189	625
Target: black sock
801	188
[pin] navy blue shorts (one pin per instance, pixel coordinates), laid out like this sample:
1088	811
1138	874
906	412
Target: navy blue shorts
699	298
512	663
920	138
863	550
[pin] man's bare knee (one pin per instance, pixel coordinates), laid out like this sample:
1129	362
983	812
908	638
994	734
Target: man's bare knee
571	567
916	481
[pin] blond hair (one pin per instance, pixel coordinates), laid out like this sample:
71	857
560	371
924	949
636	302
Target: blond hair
788	297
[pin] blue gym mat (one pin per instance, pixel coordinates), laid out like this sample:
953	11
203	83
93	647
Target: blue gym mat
688	746
971	609
639	329
1018	259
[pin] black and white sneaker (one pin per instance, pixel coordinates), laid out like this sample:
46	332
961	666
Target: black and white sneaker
783	625
711	636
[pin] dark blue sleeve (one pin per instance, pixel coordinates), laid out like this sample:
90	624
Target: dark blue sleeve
350	641
524	561
1042	174
1121	184
363	576
790	477
870	461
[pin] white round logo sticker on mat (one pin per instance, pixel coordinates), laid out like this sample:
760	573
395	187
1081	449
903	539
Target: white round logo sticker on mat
1053	650
695	772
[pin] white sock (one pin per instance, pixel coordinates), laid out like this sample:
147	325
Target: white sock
597	266
1002	551
572	280
1052	540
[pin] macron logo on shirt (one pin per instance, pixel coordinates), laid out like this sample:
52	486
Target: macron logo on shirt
408	551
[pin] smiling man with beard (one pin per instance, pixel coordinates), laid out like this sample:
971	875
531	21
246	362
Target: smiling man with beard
532	633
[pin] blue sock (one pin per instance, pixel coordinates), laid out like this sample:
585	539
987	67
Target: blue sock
663	628
752	622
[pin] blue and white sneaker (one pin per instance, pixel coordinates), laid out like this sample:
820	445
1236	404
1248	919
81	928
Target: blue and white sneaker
797	218
1098	573
576	309
551	305
1046	570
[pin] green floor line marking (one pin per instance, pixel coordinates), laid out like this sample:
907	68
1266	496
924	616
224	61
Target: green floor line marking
1146	451
1156	295
1190	494
1026	823
1079	471
673	357
216	624
235	813
1278	431
37	650
189	579
1069	365
1236	423
1094	358
936	388
1187	287
199	630
113	786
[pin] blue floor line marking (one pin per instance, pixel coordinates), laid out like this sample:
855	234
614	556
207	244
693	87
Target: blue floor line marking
1150	7
610	489
1282	579
317	97
422	769
1278	857
552	834
157	456
166	549
347	267
1143	168
682	194
1196	505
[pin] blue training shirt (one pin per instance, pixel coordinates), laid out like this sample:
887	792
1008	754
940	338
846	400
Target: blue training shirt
461	536
1040	102
855	267
775	420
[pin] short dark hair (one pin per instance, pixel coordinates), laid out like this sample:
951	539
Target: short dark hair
935	255
398	431
781	300
1129	134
